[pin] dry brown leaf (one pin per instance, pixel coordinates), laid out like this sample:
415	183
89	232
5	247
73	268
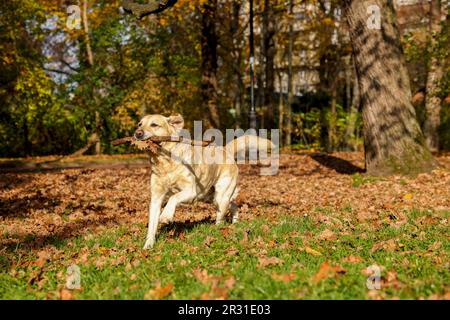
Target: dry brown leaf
435	246
209	240
65	294
287	277
229	283
216	293
352	259
159	292
327	271
327	234
269	261
225	231
43	257
232	251
389	245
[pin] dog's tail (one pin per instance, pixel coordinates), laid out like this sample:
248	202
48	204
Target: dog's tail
251	143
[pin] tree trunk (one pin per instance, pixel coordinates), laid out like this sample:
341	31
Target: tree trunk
435	74
26	137
290	86
350	132
237	48
87	39
280	110
209	61
268	34
333	119
94	139
393	140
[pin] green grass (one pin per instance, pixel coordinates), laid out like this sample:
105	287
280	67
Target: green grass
359	180
234	252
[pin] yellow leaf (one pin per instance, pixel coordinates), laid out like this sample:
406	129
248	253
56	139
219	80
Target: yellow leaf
312	251
408	196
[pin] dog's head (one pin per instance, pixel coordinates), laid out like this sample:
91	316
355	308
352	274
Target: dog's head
158	125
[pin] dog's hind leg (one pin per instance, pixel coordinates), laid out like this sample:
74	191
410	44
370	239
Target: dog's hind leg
234	209
225	189
185	195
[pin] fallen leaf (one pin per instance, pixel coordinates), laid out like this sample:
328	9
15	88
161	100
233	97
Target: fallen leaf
43	257
225	231
208	241
352	259
229	283
435	246
312	251
159	292
216	293
327	234
232	251
389	245
269	261
287	277
327	271
65	294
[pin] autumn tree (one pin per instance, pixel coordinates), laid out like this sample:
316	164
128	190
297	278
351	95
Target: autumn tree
208	11
393	140
268	52
435	74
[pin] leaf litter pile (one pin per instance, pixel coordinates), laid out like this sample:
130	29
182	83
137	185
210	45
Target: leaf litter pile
315	230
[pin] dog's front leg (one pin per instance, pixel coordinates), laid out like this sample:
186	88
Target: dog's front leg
182	196
153	218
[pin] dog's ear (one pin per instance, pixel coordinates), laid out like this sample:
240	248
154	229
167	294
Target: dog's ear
176	121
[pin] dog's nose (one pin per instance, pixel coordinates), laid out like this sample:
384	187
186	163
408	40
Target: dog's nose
139	134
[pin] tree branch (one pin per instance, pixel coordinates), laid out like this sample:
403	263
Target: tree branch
142	10
57	71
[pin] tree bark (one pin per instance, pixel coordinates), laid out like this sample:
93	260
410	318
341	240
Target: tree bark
333	119
87	39
435	74
350	132
237	48
393	140
280	110
94	139
26	138
290	86
268	34
209	61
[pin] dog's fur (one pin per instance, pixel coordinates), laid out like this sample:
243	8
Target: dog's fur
176	178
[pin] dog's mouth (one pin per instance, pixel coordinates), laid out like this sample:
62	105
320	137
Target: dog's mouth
141	135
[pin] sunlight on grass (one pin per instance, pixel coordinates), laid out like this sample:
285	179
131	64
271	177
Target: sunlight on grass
251	260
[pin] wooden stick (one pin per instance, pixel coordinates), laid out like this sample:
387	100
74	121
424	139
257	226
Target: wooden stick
163	139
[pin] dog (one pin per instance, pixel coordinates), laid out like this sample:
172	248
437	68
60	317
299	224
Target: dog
178	179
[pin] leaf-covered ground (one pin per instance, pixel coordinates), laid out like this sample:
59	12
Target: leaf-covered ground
313	231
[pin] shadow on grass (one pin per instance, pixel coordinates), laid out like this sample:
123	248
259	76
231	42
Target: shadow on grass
58	237
337	164
175	229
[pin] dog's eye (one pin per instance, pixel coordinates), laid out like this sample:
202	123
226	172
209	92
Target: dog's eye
154	125
140	124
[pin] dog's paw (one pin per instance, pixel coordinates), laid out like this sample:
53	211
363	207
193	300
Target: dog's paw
165	219
148	245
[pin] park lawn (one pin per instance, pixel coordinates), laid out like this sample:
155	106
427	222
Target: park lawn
289	257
